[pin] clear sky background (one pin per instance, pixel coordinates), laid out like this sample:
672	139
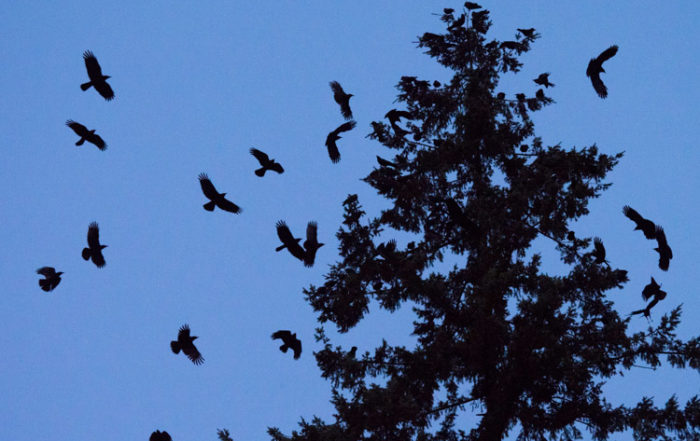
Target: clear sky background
197	85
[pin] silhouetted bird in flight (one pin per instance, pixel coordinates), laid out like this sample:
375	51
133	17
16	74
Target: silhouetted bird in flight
342	98
86	135
266	163
97	80
595	67
385	163
652	289
472	5
217	199
645	225
311	244
185	344
52	278
543	80
160	436
394	117
289	242
332	137
665	253
598	251
290	341
529	33
94	249
223	435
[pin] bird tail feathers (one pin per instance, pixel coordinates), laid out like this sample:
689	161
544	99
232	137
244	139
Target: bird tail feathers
86	86
209	206
260	172
86	253
175	347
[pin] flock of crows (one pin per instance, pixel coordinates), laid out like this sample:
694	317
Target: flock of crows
306	251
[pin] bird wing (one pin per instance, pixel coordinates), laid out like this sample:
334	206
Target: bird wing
607	54
223	435
93	67
260	156
93	236
338	92
193	354
207	187
104	89
227	205
97	140
284	233
345	127
632	214
276	166
296	347
598	85
311	232
78	128
333	151
282	334
46	271
183	333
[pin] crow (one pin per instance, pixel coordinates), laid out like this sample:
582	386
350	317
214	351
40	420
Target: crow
540	94
216	199
333	137
52	278
598	251
457	23
290	341
514	45
394	117
94	249
86	135
160	436
458	217
543	80
648	227
311	244
289	242
665	253
266	163
342	98
385	163
652	289
529	33
471	5
595	67
185	344
353	352
97	80
223	435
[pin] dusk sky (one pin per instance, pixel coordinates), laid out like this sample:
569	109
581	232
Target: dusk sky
197	85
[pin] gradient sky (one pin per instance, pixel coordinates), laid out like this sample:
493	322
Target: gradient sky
197	85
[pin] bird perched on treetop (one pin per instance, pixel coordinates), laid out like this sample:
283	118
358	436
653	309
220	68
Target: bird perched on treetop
97	80
52	278
543	80
185	344
598	251
311	244
333	136
160	436
216	199
94	249
342	98
529	33
645	225
86	135
290	341
595	67
266	163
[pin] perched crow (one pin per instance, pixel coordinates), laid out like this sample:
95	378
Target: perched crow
457	23
540	94
223	435
342	98
353	352
595	67
86	135
471	5
289	242
394	117
266	163
384	163
665	253
311	244
97	80
648	227
52	278
543	80
333	137
448	10
160	436
529	33
185	343
598	251
217	199
514	45
94	249
652	289
290	341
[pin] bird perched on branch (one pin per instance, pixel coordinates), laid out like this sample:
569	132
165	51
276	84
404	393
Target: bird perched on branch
386	163
342	98
394	116
97	80
543	80
652	289
332	137
290	341
51	278
311	244
266	163
529	32
86	135
645	225
160	436
185	344
595	68
598	251
665	253
472	5
289	241
94	249
216	199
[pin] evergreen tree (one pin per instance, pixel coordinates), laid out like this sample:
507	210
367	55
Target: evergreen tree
475	186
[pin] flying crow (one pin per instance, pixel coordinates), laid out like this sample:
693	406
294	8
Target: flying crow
332	137
311	244
595	67
185	344
665	253
86	135
266	163
94	249
342	98
289	242
543	80
216	199
97	80
290	341
648	227
52	278
652	289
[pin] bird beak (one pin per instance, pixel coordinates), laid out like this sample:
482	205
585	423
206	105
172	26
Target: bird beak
107	76
321	244
195	338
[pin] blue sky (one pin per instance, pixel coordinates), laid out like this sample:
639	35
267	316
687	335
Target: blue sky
197	85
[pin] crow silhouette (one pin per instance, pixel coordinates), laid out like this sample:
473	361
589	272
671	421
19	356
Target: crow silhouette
665	253
94	249
595	67
513	45
385	163
332	137
529	33
311	244
51	278
651	291
160	436
223	435
598	251
394	117
342	98
472	5
290	341
185	344
645	225
97	80
216	199
86	135
266	163
289	242
458	23
543	80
